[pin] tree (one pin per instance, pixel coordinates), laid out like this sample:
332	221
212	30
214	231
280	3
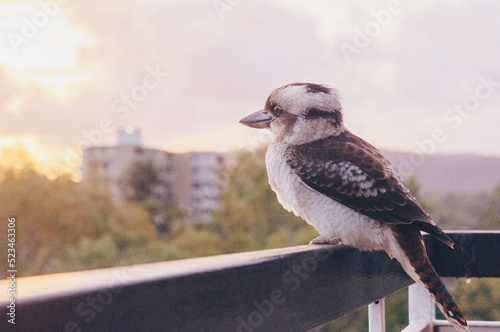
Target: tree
490	216
143	184
140	181
50	213
415	188
479	299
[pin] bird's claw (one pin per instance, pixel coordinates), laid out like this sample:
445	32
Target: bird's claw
325	240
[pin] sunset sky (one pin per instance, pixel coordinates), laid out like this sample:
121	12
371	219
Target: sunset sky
414	75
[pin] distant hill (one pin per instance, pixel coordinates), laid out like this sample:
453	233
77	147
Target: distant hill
439	174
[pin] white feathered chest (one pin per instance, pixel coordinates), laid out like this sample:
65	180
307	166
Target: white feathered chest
331	218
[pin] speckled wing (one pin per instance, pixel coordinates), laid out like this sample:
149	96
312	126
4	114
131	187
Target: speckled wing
351	171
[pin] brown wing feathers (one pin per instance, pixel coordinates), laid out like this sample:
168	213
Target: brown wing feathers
353	172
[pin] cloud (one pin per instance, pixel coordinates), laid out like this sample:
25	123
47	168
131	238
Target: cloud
396	90
216	69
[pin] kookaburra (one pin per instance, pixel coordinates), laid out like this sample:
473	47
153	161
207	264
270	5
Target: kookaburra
345	187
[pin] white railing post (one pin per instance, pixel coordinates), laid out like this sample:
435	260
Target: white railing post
376	316
421	309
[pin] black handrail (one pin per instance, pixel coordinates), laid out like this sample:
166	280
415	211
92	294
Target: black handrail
290	289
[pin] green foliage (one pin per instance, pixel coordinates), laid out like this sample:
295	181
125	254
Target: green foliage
143	184
479	299
49	212
460	211
490	214
140	180
414	186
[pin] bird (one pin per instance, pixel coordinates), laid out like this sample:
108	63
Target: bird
344	187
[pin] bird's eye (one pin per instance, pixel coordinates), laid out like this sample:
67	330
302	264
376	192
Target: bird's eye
277	111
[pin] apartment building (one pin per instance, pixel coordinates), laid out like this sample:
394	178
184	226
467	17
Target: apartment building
198	186
190	180
110	165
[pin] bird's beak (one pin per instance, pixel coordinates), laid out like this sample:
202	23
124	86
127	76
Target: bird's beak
259	119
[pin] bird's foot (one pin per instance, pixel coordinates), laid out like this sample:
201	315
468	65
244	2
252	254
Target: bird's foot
325	240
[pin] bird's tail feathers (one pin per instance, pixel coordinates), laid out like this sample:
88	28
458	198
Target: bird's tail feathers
444	301
416	263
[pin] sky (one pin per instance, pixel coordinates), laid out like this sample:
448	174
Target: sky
415	76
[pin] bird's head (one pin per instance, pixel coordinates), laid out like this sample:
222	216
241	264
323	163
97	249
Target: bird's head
299	113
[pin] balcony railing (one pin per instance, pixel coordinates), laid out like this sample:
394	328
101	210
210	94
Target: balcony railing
289	289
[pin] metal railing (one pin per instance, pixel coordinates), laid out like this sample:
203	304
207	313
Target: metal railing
464	261
289	289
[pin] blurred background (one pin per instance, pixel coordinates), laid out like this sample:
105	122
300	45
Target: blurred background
119	134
